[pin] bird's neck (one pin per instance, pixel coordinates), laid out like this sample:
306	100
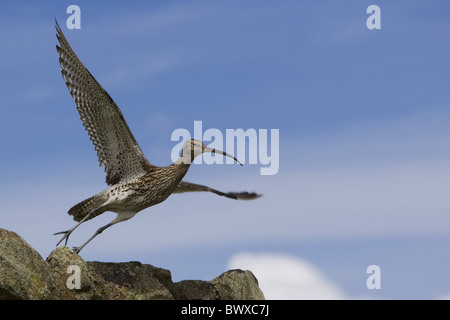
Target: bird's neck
179	168
185	159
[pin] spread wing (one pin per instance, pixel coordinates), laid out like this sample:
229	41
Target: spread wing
192	187
116	148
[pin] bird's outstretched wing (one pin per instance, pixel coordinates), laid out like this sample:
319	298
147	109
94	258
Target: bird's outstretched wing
116	148
184	186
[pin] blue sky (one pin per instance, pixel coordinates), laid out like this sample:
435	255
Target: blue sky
364	138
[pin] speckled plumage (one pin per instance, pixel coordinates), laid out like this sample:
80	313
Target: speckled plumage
134	183
133	195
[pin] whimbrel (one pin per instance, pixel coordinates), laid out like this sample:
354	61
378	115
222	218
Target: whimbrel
134	183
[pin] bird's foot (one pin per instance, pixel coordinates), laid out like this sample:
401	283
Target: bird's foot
77	249
66	236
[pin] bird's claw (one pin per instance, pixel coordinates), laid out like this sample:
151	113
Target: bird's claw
66	236
76	249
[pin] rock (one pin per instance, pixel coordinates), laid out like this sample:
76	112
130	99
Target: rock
139	280
91	286
23	272
195	290
66	276
238	285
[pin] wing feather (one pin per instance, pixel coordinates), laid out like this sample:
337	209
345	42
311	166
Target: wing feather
184	186
116	147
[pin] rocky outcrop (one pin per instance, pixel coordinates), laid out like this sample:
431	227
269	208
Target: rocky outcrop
66	276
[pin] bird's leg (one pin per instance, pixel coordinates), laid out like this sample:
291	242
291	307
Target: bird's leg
68	232
78	249
120	217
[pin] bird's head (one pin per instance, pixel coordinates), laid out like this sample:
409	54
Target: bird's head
192	148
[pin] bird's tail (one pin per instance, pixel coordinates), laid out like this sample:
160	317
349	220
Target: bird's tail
80	210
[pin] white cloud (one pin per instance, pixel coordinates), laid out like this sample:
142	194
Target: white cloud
285	277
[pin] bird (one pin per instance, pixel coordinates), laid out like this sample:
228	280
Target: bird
134	184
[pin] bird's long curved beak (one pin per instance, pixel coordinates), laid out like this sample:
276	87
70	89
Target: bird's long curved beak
221	152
